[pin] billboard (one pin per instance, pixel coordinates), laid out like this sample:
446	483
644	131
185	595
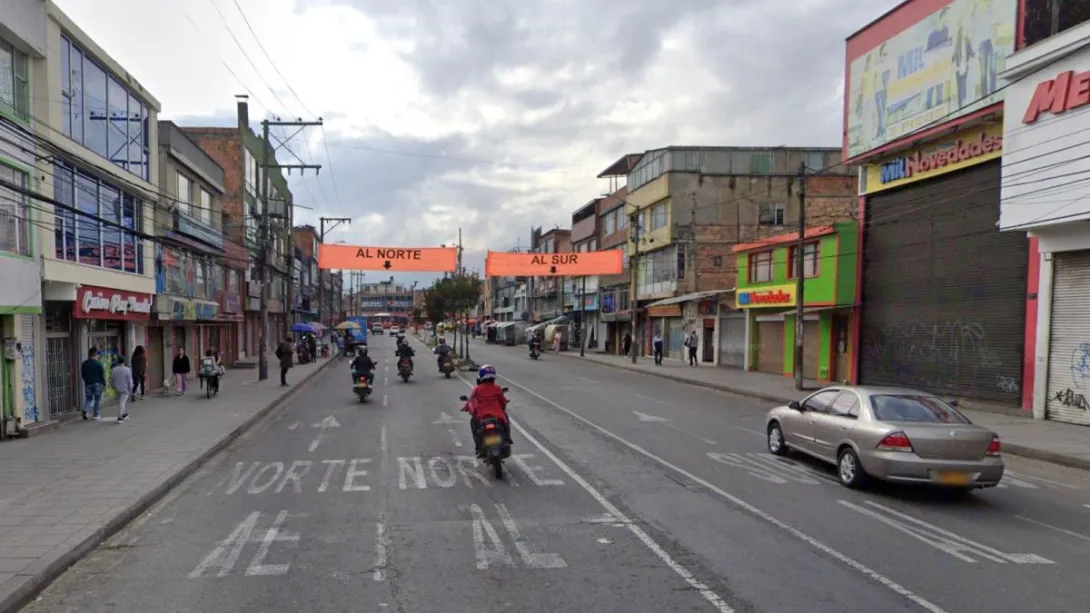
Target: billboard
961	150
937	70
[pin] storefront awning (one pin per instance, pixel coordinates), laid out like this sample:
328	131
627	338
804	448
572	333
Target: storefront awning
690	297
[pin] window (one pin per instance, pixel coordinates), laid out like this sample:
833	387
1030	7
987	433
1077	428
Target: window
1047	18
659	215
760	163
200	280
101	113
206	207
770	214
925	409
846	405
815	161
232	281
821	401
91	236
680	262
14	212
610	223
14	81
185	194
251	172
809	261
622	219
760	267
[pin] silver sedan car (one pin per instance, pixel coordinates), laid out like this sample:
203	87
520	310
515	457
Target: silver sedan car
890	434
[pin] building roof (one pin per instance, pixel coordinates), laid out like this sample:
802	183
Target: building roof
622	166
783	239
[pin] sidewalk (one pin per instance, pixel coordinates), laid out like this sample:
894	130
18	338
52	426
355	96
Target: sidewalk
1058	443
67	491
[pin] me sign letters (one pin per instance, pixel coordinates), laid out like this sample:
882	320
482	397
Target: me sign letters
1069	90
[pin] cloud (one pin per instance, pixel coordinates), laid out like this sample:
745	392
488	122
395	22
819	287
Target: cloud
489	116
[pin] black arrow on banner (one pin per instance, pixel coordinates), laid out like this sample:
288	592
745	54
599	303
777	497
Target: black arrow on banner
387	265
553	270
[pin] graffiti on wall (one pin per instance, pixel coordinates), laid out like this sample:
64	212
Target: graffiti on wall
1080	365
32	413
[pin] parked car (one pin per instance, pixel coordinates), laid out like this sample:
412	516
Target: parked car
376	329
395	330
890	434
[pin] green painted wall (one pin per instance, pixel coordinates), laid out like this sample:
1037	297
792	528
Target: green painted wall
825	321
837	260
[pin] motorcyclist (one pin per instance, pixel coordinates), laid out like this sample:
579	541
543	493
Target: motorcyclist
362	364
535	340
405	352
486	401
443	350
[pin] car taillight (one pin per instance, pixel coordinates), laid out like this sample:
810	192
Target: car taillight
994	447
895	441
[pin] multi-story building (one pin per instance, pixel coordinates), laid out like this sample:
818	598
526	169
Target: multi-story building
547	293
22	62
386	302
584	290
97	127
1042	193
240	152
305	275
191	273
614	316
333	304
945	295
693	204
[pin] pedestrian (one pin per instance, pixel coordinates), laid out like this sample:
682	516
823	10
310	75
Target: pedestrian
626	343
139	371
656	342
93	374
181	369
691	343
122	382
283	353
556	340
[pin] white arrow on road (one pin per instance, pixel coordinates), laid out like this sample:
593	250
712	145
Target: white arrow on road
654	419
293	426
446	419
325	424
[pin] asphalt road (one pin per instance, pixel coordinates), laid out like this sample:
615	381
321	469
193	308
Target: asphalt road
629	493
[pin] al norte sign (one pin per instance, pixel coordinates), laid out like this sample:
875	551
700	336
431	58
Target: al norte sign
767	297
962	150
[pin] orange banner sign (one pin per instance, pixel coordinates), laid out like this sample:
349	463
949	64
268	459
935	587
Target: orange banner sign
394	259
506	264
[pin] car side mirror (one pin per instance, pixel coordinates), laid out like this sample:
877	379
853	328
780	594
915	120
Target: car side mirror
795	404
505	389
463	398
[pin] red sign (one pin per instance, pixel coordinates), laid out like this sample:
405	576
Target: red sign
1069	90
103	303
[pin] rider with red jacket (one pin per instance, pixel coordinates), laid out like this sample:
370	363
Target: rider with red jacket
486	401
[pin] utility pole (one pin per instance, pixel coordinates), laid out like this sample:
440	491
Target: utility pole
583	319
800	274
336	221
634	264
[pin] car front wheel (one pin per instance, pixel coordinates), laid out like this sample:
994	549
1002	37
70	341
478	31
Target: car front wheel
776	444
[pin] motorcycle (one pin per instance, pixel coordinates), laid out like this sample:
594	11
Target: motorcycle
494	445
535	351
446	366
404	369
362	387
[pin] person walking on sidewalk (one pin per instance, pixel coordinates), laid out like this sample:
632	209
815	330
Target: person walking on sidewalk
181	369
656	342
93	374
121	381
139	371
626	343
283	353
691	343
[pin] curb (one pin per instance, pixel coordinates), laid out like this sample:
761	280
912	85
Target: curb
1008	448
25	593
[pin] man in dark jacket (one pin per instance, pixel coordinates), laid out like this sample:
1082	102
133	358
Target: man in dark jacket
93	374
284	354
363	365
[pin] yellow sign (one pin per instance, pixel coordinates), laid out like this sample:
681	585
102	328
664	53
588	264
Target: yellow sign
766	297
961	150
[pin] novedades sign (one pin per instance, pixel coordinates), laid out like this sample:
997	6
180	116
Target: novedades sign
953	153
773	296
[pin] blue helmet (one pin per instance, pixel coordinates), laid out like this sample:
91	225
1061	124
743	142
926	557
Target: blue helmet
486	373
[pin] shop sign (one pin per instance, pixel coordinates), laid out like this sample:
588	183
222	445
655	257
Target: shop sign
1069	90
231	303
771	296
965	149
205	311
102	303
668	310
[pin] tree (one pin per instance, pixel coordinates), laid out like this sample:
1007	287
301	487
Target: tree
418	315
452	297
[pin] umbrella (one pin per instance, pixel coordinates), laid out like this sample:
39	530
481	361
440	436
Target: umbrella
303	328
348	325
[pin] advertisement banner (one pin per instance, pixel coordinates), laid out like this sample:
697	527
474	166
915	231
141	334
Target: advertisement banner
937	70
115	304
962	150
769	296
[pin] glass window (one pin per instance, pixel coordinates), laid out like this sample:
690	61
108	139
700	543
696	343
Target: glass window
820	402
770	214
94	108
659	215
145	139
206	207
128	244
200	287
809	261
927	409
88	227
117	132
65	220
135	137
76	82
760	163
610	224
760	267
13	213
846	405
110	207
184	195
66	88
815	161
14	74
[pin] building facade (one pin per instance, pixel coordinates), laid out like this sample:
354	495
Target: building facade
1047	113
102	175
386	302
584	290
768	294
305	275
943	291
547	294
614	317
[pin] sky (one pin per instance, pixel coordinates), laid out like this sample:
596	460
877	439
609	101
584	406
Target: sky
490	116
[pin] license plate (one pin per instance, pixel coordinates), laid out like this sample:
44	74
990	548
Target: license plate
953	478
361	384
493	440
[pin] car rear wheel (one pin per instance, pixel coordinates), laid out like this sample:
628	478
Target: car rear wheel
849	470
776	444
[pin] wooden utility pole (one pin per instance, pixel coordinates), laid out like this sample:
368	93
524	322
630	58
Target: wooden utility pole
800	280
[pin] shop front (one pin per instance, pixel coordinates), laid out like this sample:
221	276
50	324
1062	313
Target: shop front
1048	110
768	294
230	322
20	311
943	290
111	321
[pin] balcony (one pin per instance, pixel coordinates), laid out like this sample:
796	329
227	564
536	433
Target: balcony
187	228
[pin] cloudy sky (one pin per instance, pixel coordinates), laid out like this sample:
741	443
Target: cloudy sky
490	115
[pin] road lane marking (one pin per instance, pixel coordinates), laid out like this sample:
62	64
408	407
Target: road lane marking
958	546
226	554
760	434
1056	528
707	593
654	419
742	504
381	542
454	437
322	426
